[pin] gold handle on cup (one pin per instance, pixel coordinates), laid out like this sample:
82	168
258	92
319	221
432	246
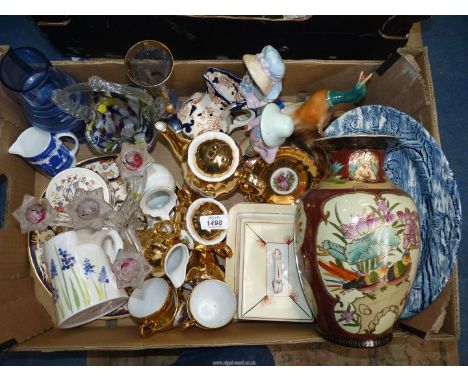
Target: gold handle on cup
250	183
188	324
222	250
147	329
167	230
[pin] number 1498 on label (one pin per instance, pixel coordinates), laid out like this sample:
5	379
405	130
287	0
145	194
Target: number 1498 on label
214	222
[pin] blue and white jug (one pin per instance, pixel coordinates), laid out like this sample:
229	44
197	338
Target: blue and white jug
45	151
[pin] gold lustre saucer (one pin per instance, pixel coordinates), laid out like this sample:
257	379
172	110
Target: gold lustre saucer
291	174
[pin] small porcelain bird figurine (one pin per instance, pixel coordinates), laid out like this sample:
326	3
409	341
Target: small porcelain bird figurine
311	117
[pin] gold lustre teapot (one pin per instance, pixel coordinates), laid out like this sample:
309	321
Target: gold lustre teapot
211	163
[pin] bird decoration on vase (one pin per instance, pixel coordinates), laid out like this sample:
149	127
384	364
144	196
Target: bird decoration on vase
312	116
369	281
375	278
349	279
400	270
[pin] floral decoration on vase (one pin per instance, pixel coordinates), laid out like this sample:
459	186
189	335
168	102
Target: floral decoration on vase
370	256
363	166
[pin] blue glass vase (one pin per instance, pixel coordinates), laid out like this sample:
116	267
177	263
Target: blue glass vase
28	73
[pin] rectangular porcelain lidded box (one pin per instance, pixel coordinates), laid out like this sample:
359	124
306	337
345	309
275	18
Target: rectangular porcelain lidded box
26	308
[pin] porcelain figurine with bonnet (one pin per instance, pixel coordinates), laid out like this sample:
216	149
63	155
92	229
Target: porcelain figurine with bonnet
262	83
268	132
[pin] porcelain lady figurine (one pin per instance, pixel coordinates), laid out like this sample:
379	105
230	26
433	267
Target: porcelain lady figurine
262	83
269	131
311	117
358	243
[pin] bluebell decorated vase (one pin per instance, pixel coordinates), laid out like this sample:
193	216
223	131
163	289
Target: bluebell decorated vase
357	243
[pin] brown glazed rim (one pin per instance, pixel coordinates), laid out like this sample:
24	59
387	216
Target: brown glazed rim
363	343
358	141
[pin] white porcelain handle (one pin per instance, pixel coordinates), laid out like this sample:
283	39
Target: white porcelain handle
73	136
110	250
235	124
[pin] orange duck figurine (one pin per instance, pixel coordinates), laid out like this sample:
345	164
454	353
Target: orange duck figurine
311	116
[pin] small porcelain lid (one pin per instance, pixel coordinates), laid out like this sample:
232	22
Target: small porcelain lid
213	156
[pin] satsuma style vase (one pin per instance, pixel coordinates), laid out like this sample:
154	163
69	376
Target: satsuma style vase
357	243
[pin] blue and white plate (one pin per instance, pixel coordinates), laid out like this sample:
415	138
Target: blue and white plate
419	167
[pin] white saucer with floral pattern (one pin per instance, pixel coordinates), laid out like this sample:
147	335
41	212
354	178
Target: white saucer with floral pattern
62	187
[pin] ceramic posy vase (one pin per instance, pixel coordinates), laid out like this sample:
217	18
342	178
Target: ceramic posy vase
357	243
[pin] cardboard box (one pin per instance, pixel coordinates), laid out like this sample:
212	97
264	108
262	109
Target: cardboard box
26	308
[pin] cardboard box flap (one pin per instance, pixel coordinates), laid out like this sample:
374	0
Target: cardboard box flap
429	116
10	108
123	338
23	317
451	324
431	319
401	86
19	177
